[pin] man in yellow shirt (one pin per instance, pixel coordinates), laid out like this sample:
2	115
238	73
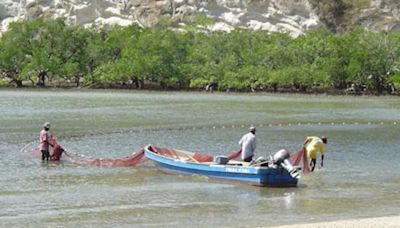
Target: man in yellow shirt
313	145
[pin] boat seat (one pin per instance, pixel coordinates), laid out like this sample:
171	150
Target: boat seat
240	163
183	156
231	162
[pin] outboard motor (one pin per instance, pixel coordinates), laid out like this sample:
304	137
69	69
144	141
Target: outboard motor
281	158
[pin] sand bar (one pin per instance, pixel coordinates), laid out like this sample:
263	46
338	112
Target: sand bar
379	222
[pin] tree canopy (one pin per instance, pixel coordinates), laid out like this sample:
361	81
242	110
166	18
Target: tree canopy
50	53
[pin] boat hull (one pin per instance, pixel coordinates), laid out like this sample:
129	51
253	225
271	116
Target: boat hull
261	176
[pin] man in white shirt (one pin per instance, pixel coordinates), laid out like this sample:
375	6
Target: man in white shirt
44	141
248	143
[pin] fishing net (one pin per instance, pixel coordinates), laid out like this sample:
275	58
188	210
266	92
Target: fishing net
296	158
196	157
56	152
81	159
234	154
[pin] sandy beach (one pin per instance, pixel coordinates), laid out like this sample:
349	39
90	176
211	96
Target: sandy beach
380	222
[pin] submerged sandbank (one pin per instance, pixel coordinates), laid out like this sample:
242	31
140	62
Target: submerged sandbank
379	222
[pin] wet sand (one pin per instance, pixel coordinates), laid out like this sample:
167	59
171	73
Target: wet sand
379	222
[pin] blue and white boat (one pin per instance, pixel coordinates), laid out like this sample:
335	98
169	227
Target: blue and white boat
195	163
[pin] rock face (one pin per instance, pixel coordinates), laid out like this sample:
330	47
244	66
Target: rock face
293	16
382	14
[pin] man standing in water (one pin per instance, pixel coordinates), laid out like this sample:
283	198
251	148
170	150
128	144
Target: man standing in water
44	141
312	146
248	144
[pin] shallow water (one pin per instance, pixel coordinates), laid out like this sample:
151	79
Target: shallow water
360	177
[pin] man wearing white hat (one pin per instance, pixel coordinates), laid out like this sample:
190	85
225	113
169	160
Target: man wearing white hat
248	144
44	141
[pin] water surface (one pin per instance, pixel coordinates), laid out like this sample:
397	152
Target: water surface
360	177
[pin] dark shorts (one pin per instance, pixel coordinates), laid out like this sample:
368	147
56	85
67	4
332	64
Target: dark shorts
45	154
248	159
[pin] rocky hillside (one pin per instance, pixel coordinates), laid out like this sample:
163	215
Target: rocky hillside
293	16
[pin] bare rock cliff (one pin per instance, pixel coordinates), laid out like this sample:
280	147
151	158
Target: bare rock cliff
293	16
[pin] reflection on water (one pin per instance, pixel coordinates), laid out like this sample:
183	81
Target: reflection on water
360	177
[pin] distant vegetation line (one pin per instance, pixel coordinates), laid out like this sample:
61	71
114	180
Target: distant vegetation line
50	53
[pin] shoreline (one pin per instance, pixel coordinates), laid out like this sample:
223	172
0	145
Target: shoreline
374	222
200	91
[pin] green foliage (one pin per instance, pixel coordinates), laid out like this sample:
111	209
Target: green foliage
16	49
4	82
52	53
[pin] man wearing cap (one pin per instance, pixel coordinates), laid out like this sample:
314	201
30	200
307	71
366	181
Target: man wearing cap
248	144
44	141
314	145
